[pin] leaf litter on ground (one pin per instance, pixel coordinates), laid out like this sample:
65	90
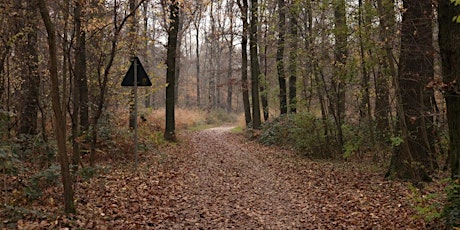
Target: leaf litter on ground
214	179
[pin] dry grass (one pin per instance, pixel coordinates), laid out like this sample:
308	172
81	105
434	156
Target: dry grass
184	117
187	118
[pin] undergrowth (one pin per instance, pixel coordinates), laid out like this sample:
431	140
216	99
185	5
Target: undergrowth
318	138
302	132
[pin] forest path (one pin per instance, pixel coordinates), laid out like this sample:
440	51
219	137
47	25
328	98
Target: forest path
224	181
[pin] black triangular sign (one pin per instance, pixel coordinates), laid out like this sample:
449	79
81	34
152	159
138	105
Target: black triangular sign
142	77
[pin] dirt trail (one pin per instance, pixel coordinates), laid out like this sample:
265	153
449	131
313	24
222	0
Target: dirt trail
215	179
226	182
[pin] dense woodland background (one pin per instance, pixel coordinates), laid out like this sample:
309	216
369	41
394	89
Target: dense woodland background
373	81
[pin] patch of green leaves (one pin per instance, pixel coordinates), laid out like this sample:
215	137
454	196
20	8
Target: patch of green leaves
451	211
424	205
42	180
396	141
303	132
9	161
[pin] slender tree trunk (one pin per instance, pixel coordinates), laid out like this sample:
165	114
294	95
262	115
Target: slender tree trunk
280	56
170	72
309	66
415	157
340	54
365	107
230	79
79	102
178	60
263	80
388	71
148	94
59	116
449	42
133	52
212	90
255	68
293	59
31	84
244	62
197	66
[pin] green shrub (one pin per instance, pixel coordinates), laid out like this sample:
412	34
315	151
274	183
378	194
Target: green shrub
451	211
41	181
303	132
9	161
220	116
425	205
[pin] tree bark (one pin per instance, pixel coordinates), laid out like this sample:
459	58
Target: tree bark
340	61
230	80
171	69
59	116
133	52
280	56
449	43
293	59
415	157
387	69
255	68
197	65
31	84
244	62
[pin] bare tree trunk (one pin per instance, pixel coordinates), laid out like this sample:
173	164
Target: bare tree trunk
255	68
382	101
148	94
230	79
31	84
280	56
59	116
197	66
170	72
415	157
133	52
365	109
340	54
80	102
178	60
293	58
449	42
244	62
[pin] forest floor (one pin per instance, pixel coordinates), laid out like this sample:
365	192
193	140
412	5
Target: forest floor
216	179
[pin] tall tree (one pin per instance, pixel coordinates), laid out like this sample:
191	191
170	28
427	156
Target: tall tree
280	56
197	50
387	70
255	68
171	69
244	61
133	28
415	156
293	56
230	79
340	60
81	65
80	121
59	115
31	81
449	43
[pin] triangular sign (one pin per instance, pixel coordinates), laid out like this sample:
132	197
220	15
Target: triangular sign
142	77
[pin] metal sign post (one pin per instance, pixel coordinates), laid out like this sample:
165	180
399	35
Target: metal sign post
136	76
135	113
